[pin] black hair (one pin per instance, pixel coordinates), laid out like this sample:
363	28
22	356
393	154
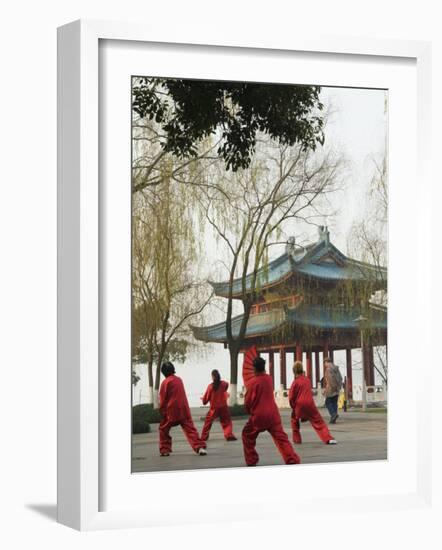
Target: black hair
167	369
216	379
259	364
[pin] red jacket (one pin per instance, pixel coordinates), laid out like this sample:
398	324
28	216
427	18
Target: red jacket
173	400
301	397
260	402
218	397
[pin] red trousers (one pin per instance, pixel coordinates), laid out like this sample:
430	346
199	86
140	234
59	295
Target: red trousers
189	430
250	434
226	422
318	425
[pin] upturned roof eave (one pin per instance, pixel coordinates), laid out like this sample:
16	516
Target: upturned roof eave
222	288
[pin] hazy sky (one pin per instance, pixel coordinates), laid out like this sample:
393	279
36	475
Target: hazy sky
357	129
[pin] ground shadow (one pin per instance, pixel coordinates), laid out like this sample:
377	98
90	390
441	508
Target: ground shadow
49	511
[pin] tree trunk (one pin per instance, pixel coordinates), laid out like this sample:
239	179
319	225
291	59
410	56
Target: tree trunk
157	386
155	399
233	389
150	382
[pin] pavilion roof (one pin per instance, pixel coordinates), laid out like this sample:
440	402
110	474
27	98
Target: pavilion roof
321	260
304	315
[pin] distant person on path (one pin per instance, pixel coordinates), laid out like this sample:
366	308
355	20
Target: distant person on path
304	407
332	387
216	394
175	411
264	416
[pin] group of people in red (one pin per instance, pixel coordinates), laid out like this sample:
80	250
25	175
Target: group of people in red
260	404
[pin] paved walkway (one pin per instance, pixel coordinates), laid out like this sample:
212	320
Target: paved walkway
361	436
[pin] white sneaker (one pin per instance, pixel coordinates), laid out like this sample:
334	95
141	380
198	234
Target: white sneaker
202	452
332	442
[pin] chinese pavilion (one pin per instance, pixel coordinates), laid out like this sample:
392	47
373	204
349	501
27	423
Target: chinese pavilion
308	301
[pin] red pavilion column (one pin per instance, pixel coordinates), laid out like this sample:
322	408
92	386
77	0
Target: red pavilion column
298	352
365	366
325	353
283	373
349	374
325	350
371	365
331	355
272	367
308	363
317	368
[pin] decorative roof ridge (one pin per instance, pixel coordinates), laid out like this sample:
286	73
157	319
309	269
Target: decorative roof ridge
319	250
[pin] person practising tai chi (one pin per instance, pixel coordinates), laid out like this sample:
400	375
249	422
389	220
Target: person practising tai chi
304	408
175	411
216	394
264	416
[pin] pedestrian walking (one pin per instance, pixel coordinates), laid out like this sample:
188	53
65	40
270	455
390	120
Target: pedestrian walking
332	387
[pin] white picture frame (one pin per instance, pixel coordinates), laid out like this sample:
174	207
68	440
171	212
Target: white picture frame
79	438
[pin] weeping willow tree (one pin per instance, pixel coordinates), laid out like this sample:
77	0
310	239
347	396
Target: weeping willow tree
167	291
248	212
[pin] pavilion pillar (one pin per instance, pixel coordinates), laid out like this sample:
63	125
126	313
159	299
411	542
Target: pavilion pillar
325	350
370	366
331	355
325	353
272	367
349	374
298	352
283	373
317	369
365	367
309	366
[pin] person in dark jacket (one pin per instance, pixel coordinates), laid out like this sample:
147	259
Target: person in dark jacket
332	387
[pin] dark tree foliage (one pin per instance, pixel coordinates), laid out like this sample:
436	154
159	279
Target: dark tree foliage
191	110
135	378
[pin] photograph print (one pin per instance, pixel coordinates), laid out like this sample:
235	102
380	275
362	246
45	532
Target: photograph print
259	274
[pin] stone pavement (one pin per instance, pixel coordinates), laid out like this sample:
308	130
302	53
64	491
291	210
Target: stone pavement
361	436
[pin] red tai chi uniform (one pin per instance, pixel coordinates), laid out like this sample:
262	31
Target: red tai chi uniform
264	416
304	408
175	410
218	409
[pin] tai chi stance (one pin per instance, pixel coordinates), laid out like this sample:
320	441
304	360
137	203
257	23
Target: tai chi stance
264	416
332	387
216	394
175	411
304	408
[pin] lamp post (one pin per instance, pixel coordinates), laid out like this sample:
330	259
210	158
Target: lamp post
361	320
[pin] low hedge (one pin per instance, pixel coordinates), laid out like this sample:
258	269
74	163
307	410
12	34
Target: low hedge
142	417
145	415
238	410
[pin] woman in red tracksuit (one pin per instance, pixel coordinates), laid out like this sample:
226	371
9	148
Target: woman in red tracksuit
264	416
175	411
216	395
304	408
